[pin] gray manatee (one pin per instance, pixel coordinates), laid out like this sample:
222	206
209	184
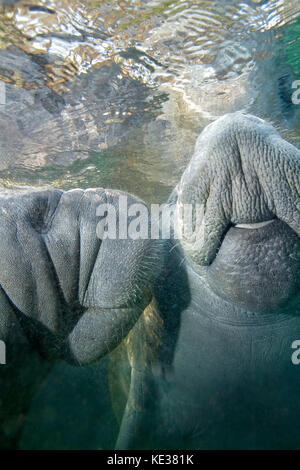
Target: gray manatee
65	293
199	328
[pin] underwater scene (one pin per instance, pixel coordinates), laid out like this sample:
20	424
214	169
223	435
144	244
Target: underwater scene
149	343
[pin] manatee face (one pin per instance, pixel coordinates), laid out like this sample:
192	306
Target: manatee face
245	244
66	290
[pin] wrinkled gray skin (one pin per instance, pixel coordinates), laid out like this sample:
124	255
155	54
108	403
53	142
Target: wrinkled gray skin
204	326
226	306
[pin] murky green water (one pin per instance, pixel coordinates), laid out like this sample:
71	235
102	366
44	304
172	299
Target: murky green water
114	94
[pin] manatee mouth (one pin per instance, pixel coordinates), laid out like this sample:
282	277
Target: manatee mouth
257	266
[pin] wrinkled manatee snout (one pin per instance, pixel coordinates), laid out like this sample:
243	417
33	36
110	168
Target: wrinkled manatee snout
246	180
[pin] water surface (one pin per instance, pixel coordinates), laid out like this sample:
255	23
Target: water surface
114	94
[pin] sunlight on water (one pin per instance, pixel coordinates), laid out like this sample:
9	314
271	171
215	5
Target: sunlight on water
115	93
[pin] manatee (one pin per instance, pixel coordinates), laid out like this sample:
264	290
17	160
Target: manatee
199	325
211	358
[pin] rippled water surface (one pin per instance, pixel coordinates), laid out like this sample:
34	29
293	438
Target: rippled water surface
114	94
